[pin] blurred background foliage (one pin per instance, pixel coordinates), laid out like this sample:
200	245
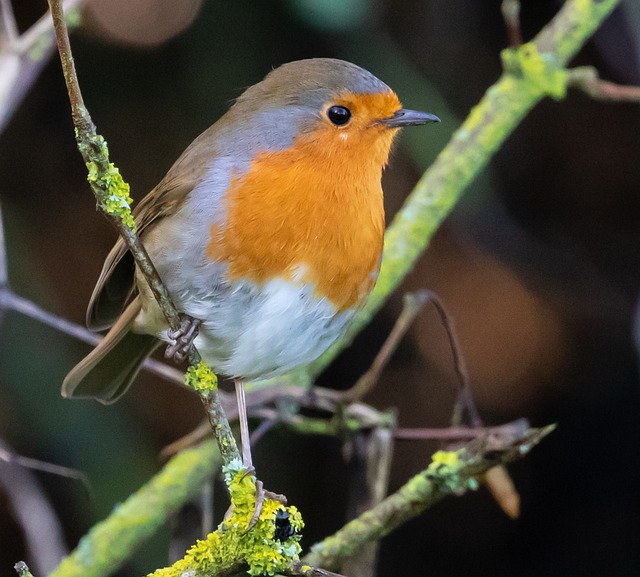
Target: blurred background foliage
539	266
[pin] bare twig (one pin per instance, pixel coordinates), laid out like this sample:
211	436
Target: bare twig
411	305
465	400
22	56
369	458
43	533
511	13
11	301
8	26
587	79
4	275
452	434
8	456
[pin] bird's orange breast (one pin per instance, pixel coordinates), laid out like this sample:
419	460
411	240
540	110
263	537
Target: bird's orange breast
313	212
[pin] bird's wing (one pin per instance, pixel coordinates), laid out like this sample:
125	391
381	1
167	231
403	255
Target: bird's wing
115	285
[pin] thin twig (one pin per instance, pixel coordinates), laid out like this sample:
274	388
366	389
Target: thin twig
43	534
8	456
11	301
511	13
422	491
368	455
514	428
4	275
465	398
8	26
411	306
587	79
92	148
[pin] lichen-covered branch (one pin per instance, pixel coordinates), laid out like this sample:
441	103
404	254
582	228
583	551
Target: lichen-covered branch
111	542
532	71
449	473
112	194
265	548
107	184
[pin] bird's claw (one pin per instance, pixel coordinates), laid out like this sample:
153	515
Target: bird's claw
181	340
261	494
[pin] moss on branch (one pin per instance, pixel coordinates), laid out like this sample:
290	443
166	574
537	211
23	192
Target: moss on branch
449	473
112	541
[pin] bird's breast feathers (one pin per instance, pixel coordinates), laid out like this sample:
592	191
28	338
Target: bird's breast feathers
292	211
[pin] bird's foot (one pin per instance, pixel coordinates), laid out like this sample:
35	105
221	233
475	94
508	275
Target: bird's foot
261	494
181	340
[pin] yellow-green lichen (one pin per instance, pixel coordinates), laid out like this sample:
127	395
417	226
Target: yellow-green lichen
201	377
110	187
446	470
233	544
541	70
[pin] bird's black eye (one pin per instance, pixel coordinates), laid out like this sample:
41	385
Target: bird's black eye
339	115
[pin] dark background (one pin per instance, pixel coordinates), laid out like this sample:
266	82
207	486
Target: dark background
538	265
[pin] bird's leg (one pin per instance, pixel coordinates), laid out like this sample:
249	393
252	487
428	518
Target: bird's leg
261	494
181	340
244	425
246	450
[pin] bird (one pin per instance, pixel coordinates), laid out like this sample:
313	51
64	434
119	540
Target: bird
268	230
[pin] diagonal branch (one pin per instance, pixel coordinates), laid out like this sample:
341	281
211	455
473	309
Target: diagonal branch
141	515
448	474
535	72
112	194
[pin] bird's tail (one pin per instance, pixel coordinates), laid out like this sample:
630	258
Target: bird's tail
106	373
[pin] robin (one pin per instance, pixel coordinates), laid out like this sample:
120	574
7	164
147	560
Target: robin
268	229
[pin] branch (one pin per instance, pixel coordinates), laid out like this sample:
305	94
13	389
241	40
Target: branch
511	13
100	553
532	71
412	304
32	510
112	194
23	56
448	474
586	78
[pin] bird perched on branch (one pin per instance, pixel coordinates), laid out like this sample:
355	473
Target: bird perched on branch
268	230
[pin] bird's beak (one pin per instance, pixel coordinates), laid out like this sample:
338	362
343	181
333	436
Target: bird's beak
404	117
